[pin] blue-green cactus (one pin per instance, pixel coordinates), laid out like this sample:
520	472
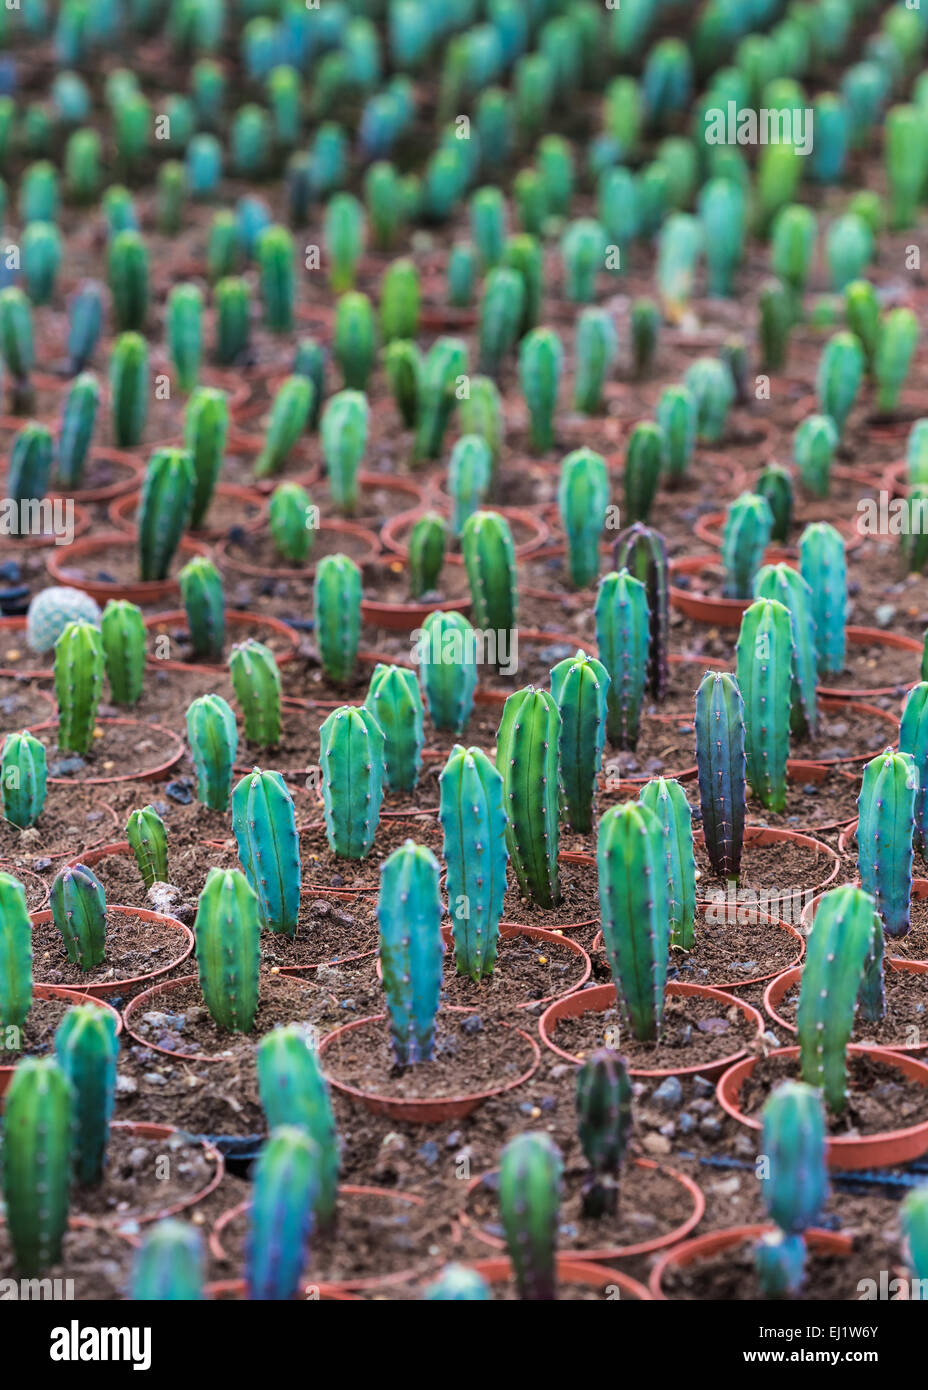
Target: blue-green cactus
579	685
447	659
394	700
787	586
122	631
227	931
720	764
630	860
351	754
164	510
623	636
148	841
285	1192
473	821
885	829
583	496
764	658
170	1265
213	738
337	615
264	825
37	1127
529	1198
78	683
823	566
294	1091
409	915
527	756
667	799
23	773
745	536
256	682
78	905
86	1049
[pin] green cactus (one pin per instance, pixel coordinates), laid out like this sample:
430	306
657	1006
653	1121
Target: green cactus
78	905
285	1192
353	341
148	840
489	559
595	351
783	583
774	483
78	683
444	369
204	604
895	347
676	420
294	1091
400	298
795	1185
404	366
814	446
337	615
603	1099
22	779
77	423
482	413
840	372
37	1127
170	1264
213	738
745	536
529	1197
905	161
792	247
580	685
583	496
290	518
86	1049
164	510
129	389
885	829
127	274
583	254
264	825
28	473
17	342
473	821
344	434
256	682
777	318
276	256
50	612
122	631
764	657
644	458
227	931
823	566
525	255
623	636
232	298
184	334
446	650
287	422
720	764
541	359
913	739
502	305
643	552
630	859
713	386
394	700
352	760
470	470
527	757
410	945
913	1215
15	954
667	799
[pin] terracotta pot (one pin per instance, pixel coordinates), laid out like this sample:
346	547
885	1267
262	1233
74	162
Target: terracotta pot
149	774
369	540
395	531
425	1109
705	607
846	1152
220	1289
18	626
617	1252
896	425
109	821
132	466
390	1197
572	1269
919	892
708	528
122	512
873	712
81	519
766	835
141	591
717	1242
781	986
235	618
602	997
122	987
874	637
152	1131
40	991
408	616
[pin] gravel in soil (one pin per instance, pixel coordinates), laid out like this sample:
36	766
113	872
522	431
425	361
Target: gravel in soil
72	819
880	1098
95	1264
903	1023
696	1031
133	947
143	1176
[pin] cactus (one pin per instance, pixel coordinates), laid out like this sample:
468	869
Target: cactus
849	246
148	841
643	552
86	1048
470	469
814	445
457	1284
623	636
792	248
843	947
488	225
501	308
482	413
840	371
164	510
122	631
50	612
232	297
287	422
583	496
410	945
527	757
898	334
78	905
294	1091
204	604
862	314
489	559
745	536
337	615
353	342
22	779
904	155
913	1215
596	348
680	245
712	384
170	1264
77	422
290	522
603	1099
630	859
78	683
529	1196
127	277
446	650
823	566
41	260
676	420
383	202
473	820
580	687
15	953
285	1192
227	930
400	297
37	1125
264	825
913	739
404	366
184	332
583	253
720	763
764	657
309	361
442	372
129	389
344	434
524	254
795	1185
723	214
85	320
256	682
17	344
206	424
667	800
394	700
351	755
781	582
643	460
28	474
774	483
777	317
343	236
886	808
276	255
427	541
541	358
462	272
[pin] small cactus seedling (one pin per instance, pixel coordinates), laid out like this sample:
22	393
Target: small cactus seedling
37	1127
630	859
913	739
774	483
501	309
473	821
409	914
527	757
713	386
213	738
885	829
184	333
603	1098
232	297
164	510
352	759
77	423
276	255
782	583
541	359
170	1265
85	320
458	1284
206	427
287	422
529	1198
86	1049
823	566
583	496
596	349
204	604
23	779
720	762
129	389
148	840
764	656
644	458
746	535
354	337
256	682
227	931
122	631
337	615
427	541
840	372
862	315
404	367
470	469
676	419
898	335
15	954
667	799
623	636
294	1091
285	1191
447	656
344	431
643	552
579	685
28	475
442	373
394	700
490	560
814	445
78	905
78	683
794	1186
264	825
583	251
290	519
400	299
843	947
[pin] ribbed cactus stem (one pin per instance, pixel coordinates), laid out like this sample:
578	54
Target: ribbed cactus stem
15	954
37	1127
337	615
603	1099
394	700
885	829
630	860
264	825
78	905
227	931
283	1200
78	683
580	686
204	604
23	779
294	1091
667	799
409	914
147	836
473	821
351	754
164	510
256	682
624	639
529	1199
122	629
170	1265
583	495
490	560
527	758
643	552
783	583
446	654
764	668
213	738
86	1048
721	765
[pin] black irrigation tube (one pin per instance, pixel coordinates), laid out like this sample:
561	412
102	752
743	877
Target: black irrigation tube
913	1176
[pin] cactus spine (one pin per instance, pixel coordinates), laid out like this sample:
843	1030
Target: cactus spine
351	755
147	836
227	930
781	582
294	1091
643	552
622	632
720	762
78	682
394	700
886	808
527	758
796	1184
22	779
667	800
37	1124
764	656
122	631
409	915
473	821
490	561
529	1198
213	738
86	1048
337	615
580	687
264	825
256	682
745	537
630	860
